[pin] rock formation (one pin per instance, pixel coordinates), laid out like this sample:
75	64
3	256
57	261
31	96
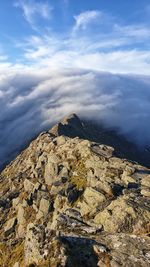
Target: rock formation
68	201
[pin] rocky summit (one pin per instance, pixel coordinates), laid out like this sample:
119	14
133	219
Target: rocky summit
69	201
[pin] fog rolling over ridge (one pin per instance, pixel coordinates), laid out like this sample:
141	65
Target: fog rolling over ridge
31	101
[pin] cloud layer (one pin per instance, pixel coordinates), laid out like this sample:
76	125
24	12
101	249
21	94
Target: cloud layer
32	100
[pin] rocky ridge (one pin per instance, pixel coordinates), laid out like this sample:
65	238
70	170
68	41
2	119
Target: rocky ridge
68	201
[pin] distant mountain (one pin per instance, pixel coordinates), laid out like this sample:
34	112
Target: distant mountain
72	126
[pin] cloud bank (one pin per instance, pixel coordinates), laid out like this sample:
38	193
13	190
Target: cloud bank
32	100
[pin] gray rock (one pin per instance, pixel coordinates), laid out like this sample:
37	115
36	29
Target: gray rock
44	208
33	241
51	171
102	150
28	186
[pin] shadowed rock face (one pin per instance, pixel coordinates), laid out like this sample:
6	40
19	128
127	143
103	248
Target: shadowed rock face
70	126
68	200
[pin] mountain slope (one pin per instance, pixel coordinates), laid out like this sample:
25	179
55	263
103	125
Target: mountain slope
68	201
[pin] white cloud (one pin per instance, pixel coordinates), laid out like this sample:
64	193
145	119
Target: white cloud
122	61
32	9
76	52
85	18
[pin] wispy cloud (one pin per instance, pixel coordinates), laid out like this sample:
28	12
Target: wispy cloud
32	9
87	53
136	31
85	18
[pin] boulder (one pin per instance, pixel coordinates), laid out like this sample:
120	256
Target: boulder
51	171
16	202
102	150
60	140
146	181
145	192
44	208
91	200
117	217
21	221
28	186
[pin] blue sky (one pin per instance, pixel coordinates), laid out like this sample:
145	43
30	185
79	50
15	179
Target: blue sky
99	34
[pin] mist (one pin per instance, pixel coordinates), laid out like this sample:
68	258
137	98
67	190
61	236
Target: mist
33	100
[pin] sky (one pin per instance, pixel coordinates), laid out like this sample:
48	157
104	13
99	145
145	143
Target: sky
90	57
104	35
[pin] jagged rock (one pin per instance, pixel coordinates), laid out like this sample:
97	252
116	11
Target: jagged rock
10	226
21	221
15	202
28	186
145	192
102	150
34	239
60	140
37	186
44	208
91	200
51	172
146	181
127	178
117	216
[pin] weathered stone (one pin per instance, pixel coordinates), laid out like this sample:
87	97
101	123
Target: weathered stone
15	202
28	186
51	172
37	186
102	150
10	226
61	140
146	181
21	221
91	200
32	244
145	192
126	178
118	216
44	208
17	264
